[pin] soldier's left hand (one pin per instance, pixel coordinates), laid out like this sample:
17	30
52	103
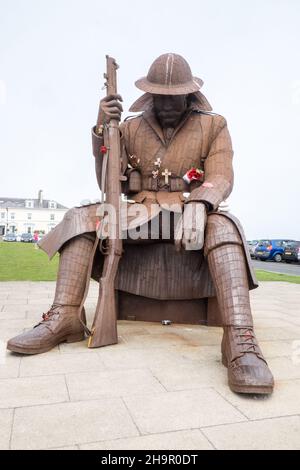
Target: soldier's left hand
189	231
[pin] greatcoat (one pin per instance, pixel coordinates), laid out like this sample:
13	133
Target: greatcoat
156	270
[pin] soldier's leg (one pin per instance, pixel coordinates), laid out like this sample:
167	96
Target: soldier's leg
61	322
247	369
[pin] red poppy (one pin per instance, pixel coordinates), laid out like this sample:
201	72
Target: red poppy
194	174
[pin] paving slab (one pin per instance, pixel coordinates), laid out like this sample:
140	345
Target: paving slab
65	424
88	386
6	419
56	363
277	433
27	391
181	410
179	440
160	387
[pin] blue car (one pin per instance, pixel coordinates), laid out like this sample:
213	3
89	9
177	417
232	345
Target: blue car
271	250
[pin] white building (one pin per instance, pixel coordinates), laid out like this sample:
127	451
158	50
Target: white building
29	215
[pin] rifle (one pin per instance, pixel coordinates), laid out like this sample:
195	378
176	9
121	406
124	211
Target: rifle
104	329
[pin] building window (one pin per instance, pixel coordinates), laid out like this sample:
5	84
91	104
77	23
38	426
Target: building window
2	215
29	204
52	216
12	216
52	205
29	216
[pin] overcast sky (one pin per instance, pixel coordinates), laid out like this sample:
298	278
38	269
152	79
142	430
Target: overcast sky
52	57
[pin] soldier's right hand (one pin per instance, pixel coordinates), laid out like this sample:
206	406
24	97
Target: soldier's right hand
111	108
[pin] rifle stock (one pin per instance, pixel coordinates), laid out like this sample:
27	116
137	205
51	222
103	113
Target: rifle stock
104	329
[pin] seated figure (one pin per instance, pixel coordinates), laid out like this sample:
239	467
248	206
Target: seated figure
177	157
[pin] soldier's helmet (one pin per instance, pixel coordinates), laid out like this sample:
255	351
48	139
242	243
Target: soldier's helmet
170	74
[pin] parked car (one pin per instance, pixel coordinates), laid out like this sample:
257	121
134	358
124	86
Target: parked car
26	238
292	252
252	245
271	250
10	237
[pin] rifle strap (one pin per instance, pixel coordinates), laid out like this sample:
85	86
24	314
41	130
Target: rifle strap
104	169
103	174
87	285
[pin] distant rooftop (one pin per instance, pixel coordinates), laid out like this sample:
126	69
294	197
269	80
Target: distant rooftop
16	202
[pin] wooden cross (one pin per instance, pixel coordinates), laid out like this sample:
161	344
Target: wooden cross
166	174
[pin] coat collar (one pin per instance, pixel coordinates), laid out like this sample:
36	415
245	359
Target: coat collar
145	103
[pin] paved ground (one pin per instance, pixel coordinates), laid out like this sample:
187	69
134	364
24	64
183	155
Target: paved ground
161	387
283	268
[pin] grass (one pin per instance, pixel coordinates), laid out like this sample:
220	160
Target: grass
22	262
268	276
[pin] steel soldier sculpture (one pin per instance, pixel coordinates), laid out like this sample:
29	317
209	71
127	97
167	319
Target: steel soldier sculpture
177	157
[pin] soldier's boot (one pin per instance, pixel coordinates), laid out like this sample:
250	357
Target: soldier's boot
61	323
248	371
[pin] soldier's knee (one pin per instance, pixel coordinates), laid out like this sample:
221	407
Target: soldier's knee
89	236
81	212
70	213
220	231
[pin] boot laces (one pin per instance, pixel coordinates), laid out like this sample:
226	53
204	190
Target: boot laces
48	316
247	339
50	313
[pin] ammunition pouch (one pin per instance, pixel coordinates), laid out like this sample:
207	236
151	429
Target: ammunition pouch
136	182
